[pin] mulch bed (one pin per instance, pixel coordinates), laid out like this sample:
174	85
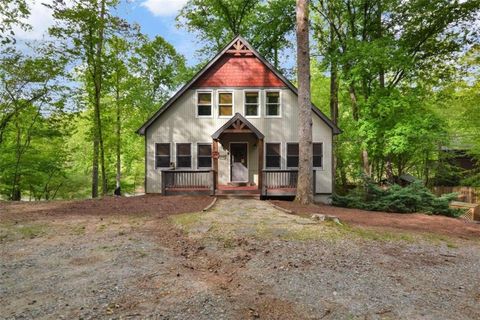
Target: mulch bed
155	205
410	222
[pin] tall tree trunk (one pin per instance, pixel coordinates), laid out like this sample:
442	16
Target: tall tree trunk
97	79
118	131
305	169
95	160
333	96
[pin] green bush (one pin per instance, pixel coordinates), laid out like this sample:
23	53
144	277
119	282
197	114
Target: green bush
409	199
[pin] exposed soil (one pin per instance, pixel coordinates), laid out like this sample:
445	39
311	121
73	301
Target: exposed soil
154	205
454	227
243	259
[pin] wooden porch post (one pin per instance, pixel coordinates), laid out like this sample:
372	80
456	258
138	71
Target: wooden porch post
260	164
215	155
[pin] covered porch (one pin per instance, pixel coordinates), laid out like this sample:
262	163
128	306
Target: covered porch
237	167
273	183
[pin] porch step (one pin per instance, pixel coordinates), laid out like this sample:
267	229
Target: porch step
238	196
239	184
237	192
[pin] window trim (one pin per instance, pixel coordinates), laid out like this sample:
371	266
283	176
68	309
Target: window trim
176	155
259	104
197	155
212	104
279	102
286	154
155	156
323	154
265	155
218	103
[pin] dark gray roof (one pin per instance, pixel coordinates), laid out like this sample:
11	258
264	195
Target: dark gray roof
179	93
236	117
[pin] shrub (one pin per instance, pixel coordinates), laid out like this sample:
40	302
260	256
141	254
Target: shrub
412	198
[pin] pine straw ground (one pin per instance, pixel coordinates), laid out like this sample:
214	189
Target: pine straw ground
162	258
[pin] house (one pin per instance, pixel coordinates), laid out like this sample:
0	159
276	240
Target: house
234	129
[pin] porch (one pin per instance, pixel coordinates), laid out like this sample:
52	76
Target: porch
274	183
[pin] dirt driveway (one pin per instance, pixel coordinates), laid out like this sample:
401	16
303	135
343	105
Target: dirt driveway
244	259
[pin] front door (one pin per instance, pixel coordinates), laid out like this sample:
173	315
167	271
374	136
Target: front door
239	162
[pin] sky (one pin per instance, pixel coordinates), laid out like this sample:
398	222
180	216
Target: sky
156	17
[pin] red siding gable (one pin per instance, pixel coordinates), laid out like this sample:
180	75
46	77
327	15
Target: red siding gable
238	71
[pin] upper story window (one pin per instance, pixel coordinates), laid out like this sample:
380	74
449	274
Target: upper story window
252	104
204	104
204	155
184	155
272	155
318	155
272	103
162	155
225	104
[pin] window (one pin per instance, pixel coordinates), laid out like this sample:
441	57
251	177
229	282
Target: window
317	155
204	104
273	103
162	155
292	155
225	104
184	155
204	156
251	104
272	155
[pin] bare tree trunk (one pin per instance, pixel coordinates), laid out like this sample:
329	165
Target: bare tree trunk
305	169
98	140
333	99
118	129
95	161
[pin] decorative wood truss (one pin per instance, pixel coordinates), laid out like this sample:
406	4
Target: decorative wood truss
238	48
238	124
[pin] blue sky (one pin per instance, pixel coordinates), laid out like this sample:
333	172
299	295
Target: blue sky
156	17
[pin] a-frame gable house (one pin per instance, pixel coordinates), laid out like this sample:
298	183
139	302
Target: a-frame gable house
234	129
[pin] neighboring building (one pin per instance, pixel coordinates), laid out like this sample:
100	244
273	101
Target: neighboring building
234	129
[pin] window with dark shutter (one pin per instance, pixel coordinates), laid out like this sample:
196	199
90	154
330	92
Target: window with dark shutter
184	155
162	155
204	156
317	155
292	155
272	155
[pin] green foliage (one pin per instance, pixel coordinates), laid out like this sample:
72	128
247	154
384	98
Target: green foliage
267	25
412	198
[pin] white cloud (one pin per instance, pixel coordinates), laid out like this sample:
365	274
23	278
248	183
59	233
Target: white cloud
164	7
40	20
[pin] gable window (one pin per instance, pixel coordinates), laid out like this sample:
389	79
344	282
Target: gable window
317	155
162	155
204	155
184	155
204	104
252	104
272	155
292	155
225	104
272	103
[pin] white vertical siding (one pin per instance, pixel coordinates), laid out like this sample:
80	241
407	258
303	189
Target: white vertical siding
180	124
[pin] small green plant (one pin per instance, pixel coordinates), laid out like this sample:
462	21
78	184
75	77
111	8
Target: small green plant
412	198
31	231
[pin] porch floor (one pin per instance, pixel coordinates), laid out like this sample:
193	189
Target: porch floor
238	188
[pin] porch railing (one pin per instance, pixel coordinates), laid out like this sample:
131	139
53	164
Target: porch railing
188	180
282	181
